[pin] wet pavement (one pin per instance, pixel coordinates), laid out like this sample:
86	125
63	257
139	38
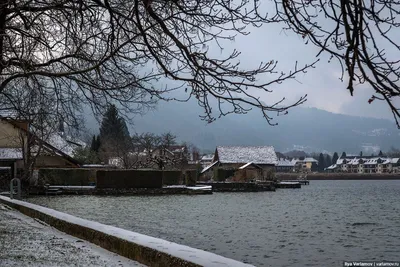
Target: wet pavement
25	241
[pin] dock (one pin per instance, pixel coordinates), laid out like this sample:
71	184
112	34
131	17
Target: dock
302	182
239	186
286	184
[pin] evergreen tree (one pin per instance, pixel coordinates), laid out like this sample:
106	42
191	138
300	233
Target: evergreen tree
361	154
380	153
335	158
98	143
114	139
113	127
93	145
328	160
321	162
343	155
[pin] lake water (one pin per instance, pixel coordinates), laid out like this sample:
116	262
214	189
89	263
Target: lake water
321	224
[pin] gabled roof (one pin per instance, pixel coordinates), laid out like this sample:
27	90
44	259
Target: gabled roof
56	146
332	167
207	157
286	163
245	154
310	160
209	167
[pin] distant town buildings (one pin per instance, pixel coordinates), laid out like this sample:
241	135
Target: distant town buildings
297	165
366	165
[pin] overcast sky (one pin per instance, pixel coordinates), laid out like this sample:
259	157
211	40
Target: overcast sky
322	84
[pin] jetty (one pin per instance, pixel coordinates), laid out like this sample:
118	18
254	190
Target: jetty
286	184
240	186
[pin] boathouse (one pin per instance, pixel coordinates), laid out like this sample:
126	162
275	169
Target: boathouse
245	162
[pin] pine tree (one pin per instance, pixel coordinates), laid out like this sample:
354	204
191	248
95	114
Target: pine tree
321	162
328	160
343	155
361	154
113	127
114	139
98	143
380	153
335	158
93	145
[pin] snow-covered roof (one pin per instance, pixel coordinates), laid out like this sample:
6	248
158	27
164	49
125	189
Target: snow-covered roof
310	160
207	157
395	160
332	167
354	161
286	163
10	153
245	154
209	167
61	143
340	161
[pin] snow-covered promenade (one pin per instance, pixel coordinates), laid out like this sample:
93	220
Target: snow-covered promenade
25	241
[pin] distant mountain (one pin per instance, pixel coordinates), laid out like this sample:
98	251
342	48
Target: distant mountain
306	129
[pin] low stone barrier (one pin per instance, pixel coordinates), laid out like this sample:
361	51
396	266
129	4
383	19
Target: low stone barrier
144	249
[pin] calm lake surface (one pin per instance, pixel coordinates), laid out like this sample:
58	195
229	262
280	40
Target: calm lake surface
321	224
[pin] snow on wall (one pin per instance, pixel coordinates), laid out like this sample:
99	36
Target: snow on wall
186	253
245	154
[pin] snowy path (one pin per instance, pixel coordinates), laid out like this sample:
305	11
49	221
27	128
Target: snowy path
27	242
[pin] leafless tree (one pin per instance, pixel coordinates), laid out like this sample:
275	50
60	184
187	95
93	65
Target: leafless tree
76	52
361	35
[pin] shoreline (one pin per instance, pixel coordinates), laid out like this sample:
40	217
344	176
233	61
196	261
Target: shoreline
339	176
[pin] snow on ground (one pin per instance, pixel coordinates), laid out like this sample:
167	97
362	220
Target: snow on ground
25	241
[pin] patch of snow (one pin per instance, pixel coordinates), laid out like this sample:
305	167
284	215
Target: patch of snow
208	167
73	186
206	187
10	153
189	254
31	242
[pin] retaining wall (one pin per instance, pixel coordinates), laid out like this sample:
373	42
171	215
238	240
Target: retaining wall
144	249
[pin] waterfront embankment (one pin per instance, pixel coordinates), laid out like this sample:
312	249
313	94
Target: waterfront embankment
141	248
